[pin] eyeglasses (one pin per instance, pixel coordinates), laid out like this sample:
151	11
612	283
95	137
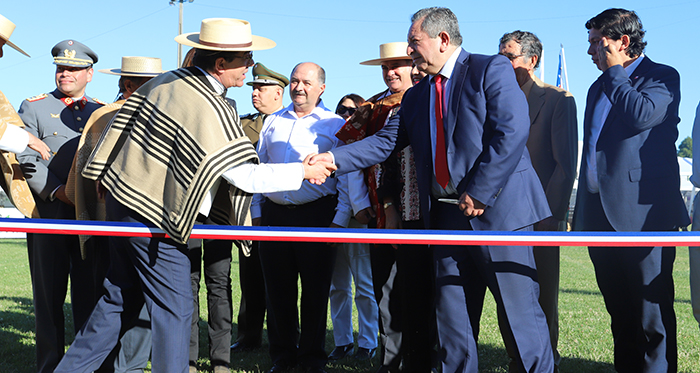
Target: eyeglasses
511	56
247	56
342	110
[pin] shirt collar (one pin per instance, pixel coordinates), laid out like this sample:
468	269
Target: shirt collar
320	111
218	86
630	69
449	65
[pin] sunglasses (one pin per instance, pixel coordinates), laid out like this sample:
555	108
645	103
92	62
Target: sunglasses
511	56
344	109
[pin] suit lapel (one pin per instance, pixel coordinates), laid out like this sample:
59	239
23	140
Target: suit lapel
458	74
639	71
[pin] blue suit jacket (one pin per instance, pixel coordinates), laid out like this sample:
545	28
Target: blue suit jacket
637	166
486	129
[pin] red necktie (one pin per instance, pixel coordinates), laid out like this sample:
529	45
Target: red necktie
442	175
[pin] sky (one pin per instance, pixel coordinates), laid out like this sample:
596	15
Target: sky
336	35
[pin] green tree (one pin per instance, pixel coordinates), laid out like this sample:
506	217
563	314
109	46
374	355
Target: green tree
685	149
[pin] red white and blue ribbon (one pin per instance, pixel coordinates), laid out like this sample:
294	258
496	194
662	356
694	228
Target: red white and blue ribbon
347	235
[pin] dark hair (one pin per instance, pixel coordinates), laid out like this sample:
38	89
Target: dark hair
529	43
137	80
189	58
615	22
437	20
206	59
357	99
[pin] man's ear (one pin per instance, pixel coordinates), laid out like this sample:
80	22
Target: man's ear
220	64
625	42
444	40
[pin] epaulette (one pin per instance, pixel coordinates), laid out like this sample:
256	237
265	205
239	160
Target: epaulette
99	101
250	116
37	98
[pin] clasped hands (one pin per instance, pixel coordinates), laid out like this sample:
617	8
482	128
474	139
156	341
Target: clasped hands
317	167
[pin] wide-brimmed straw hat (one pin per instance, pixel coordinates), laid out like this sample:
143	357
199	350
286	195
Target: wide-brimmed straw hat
225	34
137	66
389	52
6	28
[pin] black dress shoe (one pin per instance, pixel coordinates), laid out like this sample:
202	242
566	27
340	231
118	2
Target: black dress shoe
340	352
364	354
241	346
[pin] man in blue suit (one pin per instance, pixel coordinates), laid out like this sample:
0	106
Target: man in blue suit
476	158
629	181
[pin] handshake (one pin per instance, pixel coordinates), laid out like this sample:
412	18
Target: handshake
317	167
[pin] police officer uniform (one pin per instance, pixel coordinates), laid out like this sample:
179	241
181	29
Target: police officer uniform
251	313
58	120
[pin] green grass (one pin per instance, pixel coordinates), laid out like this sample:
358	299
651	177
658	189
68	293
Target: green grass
585	341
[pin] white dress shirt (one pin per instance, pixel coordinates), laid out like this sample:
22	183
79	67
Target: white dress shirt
255	178
285	138
14	140
446	73
600	114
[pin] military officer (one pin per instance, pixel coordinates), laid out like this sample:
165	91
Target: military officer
268	91
58	119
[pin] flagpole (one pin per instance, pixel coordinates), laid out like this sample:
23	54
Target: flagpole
563	63
542	66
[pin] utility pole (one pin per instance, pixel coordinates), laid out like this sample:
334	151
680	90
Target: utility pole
179	30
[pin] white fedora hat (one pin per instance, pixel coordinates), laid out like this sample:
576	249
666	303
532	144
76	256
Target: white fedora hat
389	52
225	34
137	66
6	28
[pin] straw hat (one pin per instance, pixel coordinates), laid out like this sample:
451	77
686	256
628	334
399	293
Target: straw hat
6	28
389	52
225	34
137	66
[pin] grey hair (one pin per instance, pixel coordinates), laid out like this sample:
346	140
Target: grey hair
437	20
529	43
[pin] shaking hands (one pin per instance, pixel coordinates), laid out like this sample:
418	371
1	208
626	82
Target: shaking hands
317	167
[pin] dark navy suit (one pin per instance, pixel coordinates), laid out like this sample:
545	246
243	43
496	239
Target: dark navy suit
486	128
639	190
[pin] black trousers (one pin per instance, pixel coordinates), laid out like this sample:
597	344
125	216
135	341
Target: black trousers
404	286
251	312
637	286
52	259
283	264
217	279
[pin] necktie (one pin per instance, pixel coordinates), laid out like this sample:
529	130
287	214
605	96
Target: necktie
442	175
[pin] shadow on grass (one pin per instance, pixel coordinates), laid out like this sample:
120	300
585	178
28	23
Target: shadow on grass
16	323
494	359
598	294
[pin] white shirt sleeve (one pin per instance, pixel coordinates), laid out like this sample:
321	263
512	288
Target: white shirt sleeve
266	177
14	139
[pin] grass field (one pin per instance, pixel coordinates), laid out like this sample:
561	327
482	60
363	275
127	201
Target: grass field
585	341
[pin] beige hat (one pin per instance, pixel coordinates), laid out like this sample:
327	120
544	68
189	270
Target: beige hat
225	34
137	66
390	52
6	28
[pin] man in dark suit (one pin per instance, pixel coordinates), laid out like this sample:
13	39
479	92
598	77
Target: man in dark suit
482	165
553	145
629	181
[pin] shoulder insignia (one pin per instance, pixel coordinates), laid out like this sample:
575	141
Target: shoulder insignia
55	115
99	101
37	98
250	116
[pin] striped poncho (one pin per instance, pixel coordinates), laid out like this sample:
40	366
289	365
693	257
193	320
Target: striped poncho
166	147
